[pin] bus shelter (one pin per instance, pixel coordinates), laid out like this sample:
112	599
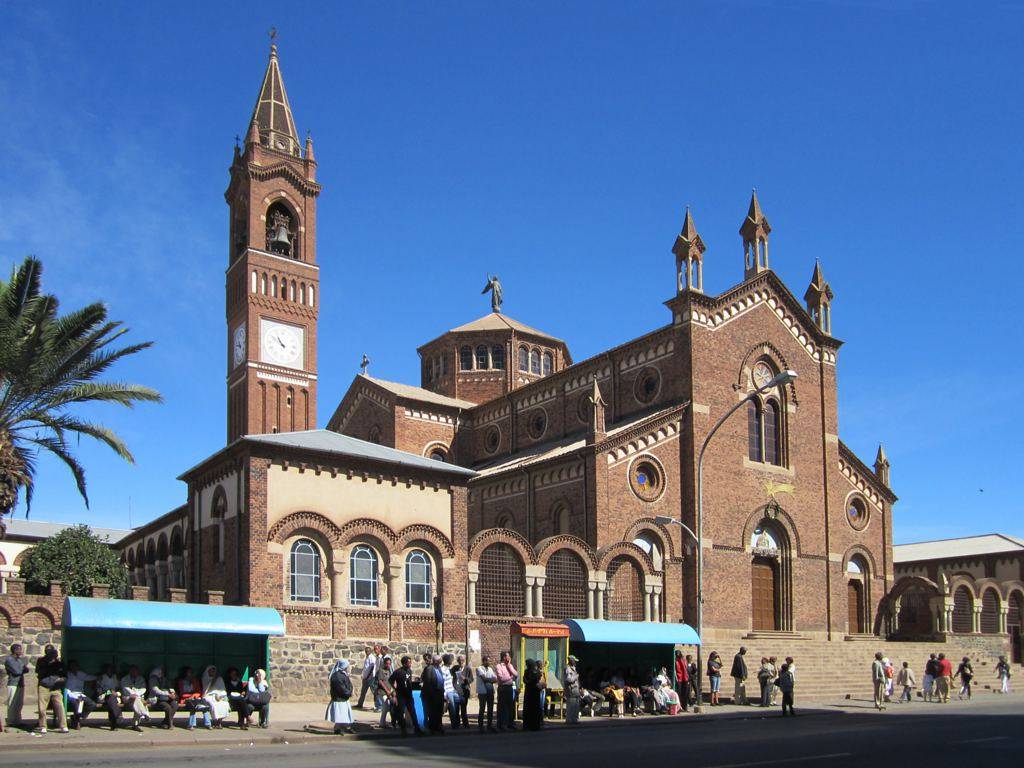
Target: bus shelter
169	635
633	648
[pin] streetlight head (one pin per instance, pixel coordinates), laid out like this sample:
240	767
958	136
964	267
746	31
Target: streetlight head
664	520
783	378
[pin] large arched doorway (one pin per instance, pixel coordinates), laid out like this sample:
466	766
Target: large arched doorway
915	613
990	612
769	579
857	596
963	610
1013	626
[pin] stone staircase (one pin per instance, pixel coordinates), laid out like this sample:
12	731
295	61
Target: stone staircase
842	667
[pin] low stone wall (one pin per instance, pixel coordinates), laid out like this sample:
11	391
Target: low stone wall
300	666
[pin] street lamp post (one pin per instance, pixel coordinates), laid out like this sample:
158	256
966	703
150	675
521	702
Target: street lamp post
783	378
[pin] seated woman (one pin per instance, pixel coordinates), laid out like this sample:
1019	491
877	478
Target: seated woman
162	696
215	694
237	697
258	695
108	695
190	694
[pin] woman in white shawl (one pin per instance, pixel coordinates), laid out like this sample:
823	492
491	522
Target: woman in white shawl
339	711
216	695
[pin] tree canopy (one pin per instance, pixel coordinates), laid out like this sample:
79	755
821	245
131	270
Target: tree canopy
77	557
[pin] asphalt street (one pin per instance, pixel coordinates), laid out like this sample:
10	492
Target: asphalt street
989	733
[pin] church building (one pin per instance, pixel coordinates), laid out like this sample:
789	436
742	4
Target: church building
513	483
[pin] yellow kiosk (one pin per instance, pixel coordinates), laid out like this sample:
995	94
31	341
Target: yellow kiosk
547	644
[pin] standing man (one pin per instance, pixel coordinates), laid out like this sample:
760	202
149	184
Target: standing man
739	676
463	687
50	680
691	669
451	697
928	682
385	698
15	665
571	691
368	675
507	677
879	681
432	693
486	680
944	677
401	682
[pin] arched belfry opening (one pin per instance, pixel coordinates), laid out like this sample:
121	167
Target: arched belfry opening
282	231
771	593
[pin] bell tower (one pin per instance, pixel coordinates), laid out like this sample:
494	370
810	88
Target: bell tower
272	280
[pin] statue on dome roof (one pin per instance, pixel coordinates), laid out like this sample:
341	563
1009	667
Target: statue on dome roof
494	286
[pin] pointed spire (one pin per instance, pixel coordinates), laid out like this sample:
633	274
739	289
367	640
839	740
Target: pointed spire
755	230
272	115
309	148
689	250
596	428
882	466
818	299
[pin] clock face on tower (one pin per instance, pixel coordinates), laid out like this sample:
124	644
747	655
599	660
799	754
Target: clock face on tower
282	344
238	345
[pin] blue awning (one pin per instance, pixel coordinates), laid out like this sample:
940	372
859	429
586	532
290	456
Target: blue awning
96	613
594	631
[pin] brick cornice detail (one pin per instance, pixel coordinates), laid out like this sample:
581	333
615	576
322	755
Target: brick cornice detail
284	171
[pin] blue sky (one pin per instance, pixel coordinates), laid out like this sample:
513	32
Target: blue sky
556	144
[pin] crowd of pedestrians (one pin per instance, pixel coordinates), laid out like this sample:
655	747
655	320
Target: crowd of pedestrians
937	684
131	700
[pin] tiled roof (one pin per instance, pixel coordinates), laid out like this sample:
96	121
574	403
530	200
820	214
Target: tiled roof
496	321
38	530
418	393
967	546
325	441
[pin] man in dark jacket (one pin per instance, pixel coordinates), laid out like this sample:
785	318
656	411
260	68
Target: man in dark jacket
739	676
50	680
432	693
691	667
405	705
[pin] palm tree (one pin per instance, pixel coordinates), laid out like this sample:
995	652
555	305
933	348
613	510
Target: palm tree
48	364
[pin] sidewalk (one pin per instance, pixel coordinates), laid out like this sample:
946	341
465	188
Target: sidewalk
304	723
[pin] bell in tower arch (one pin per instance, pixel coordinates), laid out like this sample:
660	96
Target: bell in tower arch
279	234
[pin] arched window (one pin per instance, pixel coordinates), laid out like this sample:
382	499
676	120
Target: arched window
217	512
649	544
624	597
560	519
524	359
362	578
963	610
497	357
535	361
305	571
990	612
549	363
263	285
466	359
481	358
281	231
772	434
254	280
273	286
302	293
754	445
500	588
565	587
418	590
291	291
312	301
438	453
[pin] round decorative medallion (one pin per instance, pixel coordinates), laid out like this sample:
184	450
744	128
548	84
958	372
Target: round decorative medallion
537	423
647	478
492	439
762	375
857	513
647	384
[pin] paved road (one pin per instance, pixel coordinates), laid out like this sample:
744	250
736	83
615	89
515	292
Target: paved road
989	733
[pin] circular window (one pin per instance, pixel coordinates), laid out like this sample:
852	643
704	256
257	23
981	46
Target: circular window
857	513
537	423
492	439
646	478
647	384
762	375
583	408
